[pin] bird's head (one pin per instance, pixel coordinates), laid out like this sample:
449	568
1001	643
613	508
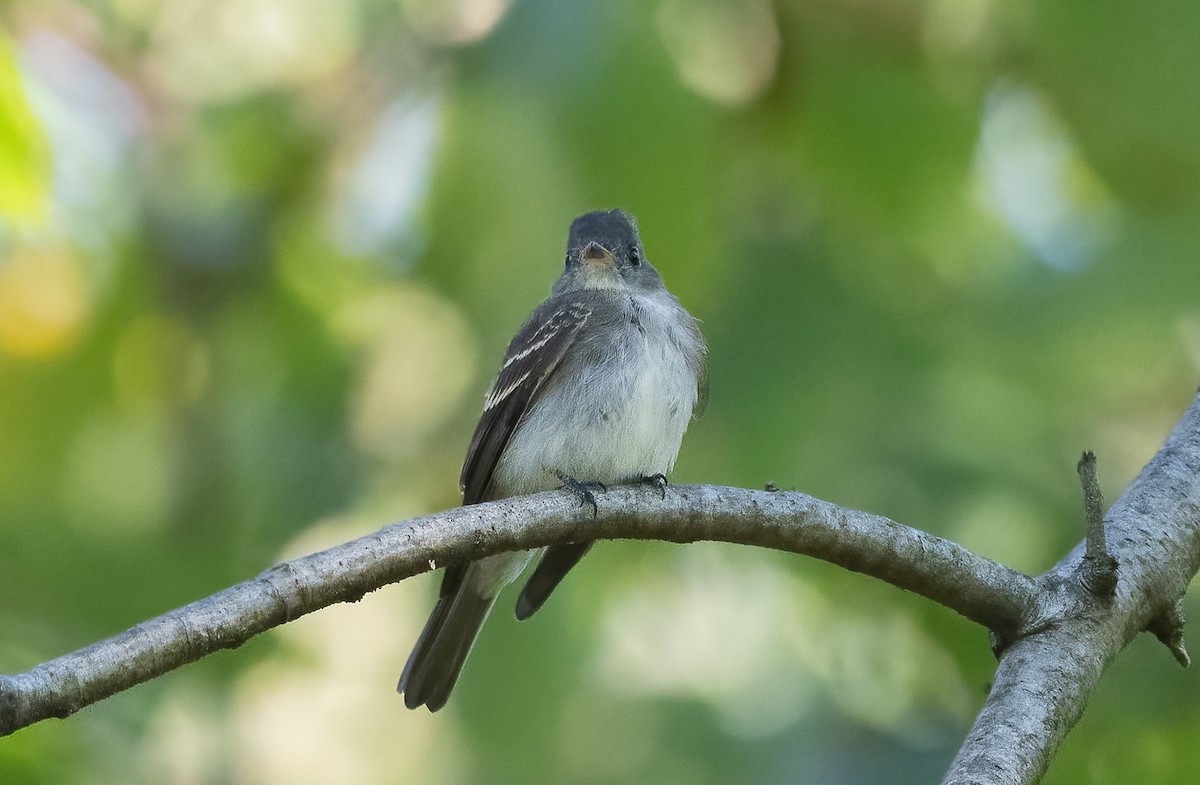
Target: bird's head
604	251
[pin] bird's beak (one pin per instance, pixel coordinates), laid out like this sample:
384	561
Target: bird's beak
595	252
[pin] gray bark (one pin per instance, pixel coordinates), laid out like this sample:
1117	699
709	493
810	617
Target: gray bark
1056	634
1046	675
977	588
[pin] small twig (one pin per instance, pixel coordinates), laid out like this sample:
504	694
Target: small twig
1168	628
1093	506
1098	571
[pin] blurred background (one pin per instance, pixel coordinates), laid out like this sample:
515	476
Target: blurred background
260	258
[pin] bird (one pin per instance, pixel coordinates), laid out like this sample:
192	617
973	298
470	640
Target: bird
596	389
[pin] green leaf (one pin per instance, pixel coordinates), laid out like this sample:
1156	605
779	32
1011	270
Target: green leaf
24	153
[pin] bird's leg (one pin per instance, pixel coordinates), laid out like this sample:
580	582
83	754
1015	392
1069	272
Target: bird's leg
583	490
658	482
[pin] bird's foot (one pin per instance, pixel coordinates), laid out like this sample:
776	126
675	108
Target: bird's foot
582	490
658	482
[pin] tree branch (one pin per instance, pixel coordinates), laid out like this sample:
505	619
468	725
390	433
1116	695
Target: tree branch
1046	676
979	589
1059	633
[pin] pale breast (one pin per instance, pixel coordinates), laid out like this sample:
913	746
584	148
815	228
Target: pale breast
621	417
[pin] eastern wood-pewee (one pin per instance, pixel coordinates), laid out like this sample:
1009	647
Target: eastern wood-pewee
597	388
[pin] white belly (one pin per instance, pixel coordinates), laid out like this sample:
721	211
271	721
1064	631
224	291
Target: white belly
627	425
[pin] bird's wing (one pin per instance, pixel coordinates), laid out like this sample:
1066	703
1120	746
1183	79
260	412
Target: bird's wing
532	358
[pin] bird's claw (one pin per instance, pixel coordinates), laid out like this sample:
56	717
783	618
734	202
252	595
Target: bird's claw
583	490
658	482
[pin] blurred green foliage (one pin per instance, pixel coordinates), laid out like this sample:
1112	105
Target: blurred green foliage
939	247
23	154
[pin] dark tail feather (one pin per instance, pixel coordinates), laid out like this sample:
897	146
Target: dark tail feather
438	657
553	567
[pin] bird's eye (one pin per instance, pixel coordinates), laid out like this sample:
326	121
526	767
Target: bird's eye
567	261
635	256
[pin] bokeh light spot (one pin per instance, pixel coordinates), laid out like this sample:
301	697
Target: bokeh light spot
419	360
1036	178
122	474
44	302
725	51
208	51
454	21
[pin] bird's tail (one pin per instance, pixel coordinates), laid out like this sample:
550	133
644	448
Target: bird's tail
438	657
